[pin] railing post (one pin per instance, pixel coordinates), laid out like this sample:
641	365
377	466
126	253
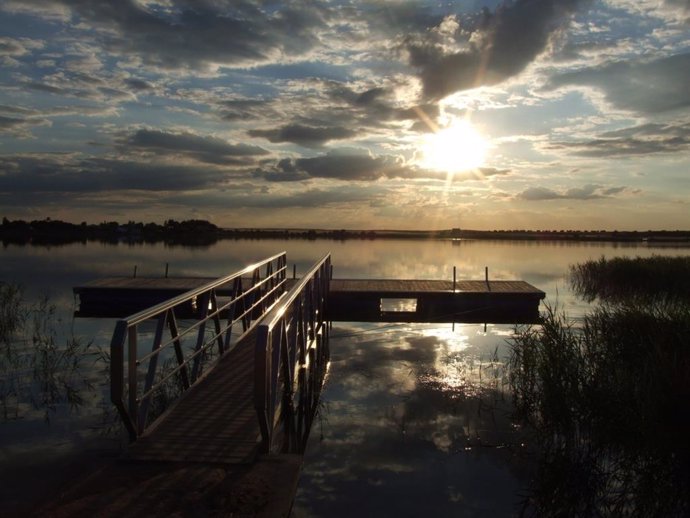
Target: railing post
261	355
117	377
132	376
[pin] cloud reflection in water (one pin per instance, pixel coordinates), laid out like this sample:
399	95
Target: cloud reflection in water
414	421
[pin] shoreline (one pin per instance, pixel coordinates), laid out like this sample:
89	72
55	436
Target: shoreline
204	233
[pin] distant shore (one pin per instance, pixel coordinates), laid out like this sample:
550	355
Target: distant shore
201	233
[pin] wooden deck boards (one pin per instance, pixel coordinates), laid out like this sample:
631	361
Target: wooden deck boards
429	286
174	283
350	299
215	422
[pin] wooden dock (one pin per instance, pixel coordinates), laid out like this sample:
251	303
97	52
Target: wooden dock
388	300
364	300
231	444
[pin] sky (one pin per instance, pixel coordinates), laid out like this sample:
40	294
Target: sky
530	114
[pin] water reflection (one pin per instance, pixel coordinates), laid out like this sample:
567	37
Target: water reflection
416	422
402	404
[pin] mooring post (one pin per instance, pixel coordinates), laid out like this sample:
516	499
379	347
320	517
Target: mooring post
486	278
454	278
135	271
294	270
166	270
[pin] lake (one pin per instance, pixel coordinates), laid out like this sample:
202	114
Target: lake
414	418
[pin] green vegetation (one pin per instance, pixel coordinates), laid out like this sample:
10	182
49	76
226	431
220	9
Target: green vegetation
35	370
608	401
624	279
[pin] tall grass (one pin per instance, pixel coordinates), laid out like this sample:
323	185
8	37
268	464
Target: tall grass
608	402
624	278
39	368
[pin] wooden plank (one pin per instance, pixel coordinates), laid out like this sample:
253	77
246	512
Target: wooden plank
430	286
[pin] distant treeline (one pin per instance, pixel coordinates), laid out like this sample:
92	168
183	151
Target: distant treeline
197	232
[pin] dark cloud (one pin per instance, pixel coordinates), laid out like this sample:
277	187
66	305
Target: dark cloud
307	136
646	139
64	173
138	85
341	165
19	126
10	122
43	87
202	148
246	109
195	35
646	86
502	45
586	192
376	108
369	96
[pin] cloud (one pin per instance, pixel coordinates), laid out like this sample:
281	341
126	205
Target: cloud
66	173
194	35
586	192
201	148
21	127
307	136
646	139
342	164
246	109
642	85
501	46
12	48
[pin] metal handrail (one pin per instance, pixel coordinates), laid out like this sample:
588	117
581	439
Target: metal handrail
130	396
291	358
147	314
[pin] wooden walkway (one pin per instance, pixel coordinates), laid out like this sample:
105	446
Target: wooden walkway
350	299
416	287
215	422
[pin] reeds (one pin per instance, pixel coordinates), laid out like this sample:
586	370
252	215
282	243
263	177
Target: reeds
626	278
608	401
39	368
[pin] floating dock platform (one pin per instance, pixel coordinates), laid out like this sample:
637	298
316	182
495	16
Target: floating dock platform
362	300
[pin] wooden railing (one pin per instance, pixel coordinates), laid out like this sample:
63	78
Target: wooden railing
145	378
291	362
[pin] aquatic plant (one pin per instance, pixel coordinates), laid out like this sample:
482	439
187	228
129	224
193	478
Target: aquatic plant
35	368
12	313
624	278
609	406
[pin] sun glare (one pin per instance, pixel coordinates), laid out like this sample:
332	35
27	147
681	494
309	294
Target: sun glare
458	147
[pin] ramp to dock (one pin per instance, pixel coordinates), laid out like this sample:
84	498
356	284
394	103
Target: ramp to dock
216	422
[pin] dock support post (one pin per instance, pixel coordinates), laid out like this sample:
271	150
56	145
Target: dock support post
294	270
454	278
135	271
166	270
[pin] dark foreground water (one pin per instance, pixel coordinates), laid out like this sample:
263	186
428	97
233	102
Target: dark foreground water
415	419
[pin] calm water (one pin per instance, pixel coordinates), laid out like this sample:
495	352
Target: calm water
414	418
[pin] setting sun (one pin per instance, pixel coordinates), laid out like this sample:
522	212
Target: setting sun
458	147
